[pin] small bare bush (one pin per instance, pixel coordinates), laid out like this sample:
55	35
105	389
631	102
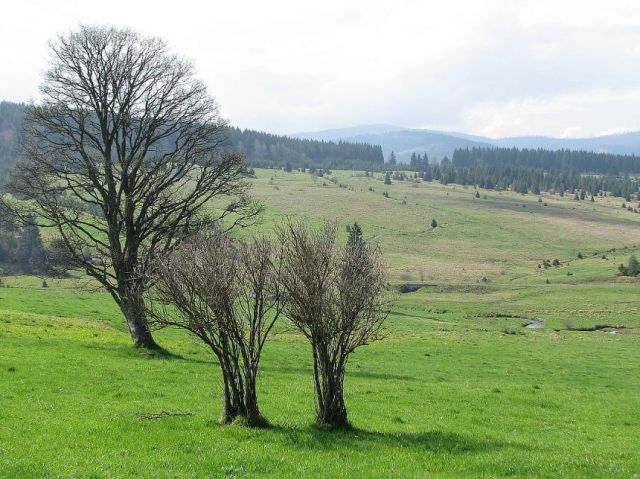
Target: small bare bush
226	294
335	299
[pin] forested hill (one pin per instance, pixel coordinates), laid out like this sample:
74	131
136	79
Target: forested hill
11	115
266	150
529	170
260	149
405	142
586	162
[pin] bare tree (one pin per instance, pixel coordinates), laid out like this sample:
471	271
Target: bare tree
335	298
226	294
259	304
123	157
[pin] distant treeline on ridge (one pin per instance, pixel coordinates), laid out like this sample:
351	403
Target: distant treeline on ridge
522	170
587	162
265	150
533	171
261	150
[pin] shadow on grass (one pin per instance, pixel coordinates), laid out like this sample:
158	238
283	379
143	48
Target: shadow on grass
130	351
350	372
314	438
415	316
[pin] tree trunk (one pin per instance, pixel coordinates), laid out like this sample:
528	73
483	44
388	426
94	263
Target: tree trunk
132	306
230	408
254	418
331	410
234	404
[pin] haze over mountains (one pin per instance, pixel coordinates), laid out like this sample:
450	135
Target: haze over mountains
438	144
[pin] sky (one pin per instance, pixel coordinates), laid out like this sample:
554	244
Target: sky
498	68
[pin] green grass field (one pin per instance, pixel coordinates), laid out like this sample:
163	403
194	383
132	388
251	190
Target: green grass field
458	387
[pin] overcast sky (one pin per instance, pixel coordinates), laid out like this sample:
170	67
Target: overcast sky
496	68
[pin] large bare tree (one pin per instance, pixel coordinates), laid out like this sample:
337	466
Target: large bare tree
335	297
124	157
227	294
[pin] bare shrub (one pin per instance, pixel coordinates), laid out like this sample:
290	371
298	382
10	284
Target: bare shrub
335	299
226	294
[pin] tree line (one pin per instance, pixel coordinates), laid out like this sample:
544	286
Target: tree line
11	118
587	162
21	249
524	180
264	150
260	150
528	171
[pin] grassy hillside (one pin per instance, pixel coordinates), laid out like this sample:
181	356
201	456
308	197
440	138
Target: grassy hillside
458	388
501	235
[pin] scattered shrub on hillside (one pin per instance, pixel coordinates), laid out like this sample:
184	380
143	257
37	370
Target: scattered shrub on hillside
632	268
434	223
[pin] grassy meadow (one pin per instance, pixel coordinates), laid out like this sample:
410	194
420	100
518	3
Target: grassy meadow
457	388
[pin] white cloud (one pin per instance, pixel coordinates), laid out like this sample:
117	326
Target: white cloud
289	66
556	115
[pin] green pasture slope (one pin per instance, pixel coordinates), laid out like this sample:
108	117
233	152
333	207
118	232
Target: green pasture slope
458	387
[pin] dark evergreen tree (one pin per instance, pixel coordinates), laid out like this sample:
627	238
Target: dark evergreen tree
355	234
632	268
30	253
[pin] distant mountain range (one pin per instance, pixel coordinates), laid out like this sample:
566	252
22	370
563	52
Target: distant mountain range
438	144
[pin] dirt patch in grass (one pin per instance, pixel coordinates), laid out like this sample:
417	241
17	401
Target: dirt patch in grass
601	327
462	288
493	314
